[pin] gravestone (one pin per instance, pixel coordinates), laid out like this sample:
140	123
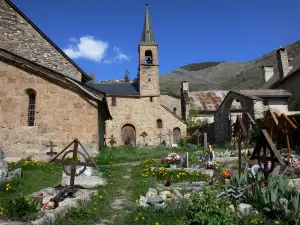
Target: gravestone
5	175
205	141
3	165
185	160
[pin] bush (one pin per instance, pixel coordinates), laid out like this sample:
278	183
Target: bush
20	208
207	210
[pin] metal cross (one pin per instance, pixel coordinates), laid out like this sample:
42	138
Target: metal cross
112	140
51	153
75	160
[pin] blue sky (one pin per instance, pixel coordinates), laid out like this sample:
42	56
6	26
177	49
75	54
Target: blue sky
102	36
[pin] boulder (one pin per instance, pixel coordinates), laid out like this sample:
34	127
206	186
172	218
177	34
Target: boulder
155	200
167	193
151	193
177	193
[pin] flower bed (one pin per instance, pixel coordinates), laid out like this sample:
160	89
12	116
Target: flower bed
173	159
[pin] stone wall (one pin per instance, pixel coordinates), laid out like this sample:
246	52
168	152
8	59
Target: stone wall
61	115
291	84
171	102
143	115
19	37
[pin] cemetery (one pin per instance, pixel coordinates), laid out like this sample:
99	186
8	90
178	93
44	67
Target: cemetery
251	185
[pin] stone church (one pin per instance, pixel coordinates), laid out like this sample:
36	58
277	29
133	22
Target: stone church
142	113
43	93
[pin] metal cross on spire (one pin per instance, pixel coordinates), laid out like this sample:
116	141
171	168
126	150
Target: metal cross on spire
147	2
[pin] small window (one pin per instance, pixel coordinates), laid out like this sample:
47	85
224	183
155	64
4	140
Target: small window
113	101
151	99
148	57
174	110
31	106
159	123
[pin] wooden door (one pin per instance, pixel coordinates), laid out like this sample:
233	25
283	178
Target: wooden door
176	135
128	135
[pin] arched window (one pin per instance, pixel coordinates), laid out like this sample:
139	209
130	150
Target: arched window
159	123
148	57
31	106
174	110
113	101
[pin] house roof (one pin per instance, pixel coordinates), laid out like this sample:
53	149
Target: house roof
209	101
117	89
262	93
85	76
275	79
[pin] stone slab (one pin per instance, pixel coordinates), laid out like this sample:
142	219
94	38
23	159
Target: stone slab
86	181
12	159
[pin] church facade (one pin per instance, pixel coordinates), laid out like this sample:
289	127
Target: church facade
43	93
142	113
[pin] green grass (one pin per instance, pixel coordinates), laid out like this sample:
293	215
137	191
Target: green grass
114	155
35	176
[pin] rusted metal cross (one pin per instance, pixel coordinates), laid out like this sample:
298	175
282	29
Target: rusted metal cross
75	160
51	153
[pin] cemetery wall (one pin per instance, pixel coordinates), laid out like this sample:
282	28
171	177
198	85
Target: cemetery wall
143	115
61	115
18	36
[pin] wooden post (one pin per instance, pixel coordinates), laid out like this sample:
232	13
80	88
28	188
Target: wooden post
205	141
240	154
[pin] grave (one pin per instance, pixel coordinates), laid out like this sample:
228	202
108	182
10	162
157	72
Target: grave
75	164
7	176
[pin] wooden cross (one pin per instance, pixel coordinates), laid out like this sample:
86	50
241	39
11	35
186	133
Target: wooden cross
112	140
74	162
51	153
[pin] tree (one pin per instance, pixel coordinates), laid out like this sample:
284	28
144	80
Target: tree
137	79
196	122
126	76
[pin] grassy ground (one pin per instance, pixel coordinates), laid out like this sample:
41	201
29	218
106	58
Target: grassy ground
109	156
35	176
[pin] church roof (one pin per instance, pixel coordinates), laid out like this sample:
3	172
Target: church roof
119	89
85	76
148	34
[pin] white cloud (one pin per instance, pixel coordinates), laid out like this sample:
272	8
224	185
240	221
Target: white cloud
120	56
87	47
107	61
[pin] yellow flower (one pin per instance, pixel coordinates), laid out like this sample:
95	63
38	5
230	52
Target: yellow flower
100	196
276	222
143	218
156	223
136	219
95	194
136	201
95	209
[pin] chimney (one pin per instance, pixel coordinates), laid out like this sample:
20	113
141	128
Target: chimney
185	86
268	72
283	62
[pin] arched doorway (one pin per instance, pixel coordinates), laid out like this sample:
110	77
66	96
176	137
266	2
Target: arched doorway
128	135
176	135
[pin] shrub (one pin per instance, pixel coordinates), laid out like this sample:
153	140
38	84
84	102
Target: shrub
207	210
20	208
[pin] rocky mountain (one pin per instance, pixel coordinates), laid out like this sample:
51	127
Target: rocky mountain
224	75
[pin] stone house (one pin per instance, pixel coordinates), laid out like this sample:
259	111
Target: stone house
142	114
43	93
285	75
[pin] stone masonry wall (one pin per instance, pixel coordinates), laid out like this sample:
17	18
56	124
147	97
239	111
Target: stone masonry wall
19	37
149	79
171	103
61	115
142	114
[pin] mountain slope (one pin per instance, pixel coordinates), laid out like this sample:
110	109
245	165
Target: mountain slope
224	75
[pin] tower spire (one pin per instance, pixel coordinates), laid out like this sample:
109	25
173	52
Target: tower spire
148	34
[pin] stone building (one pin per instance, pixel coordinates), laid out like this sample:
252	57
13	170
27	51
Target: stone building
285	75
43	95
142	114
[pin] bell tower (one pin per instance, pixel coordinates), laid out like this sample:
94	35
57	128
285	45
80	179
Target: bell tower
148	60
